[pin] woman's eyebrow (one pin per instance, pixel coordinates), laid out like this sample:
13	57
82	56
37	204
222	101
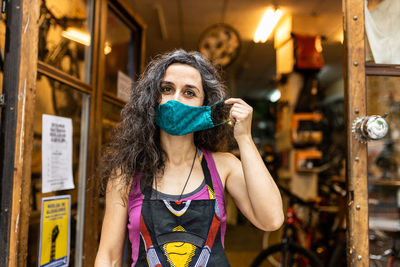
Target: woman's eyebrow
167	83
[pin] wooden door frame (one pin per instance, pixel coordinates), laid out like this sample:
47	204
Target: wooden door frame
356	71
19	87
355	106
92	215
21	67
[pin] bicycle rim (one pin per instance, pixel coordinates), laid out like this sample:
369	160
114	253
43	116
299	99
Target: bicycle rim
292	255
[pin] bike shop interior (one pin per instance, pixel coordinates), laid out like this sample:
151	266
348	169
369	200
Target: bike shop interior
293	78
294	81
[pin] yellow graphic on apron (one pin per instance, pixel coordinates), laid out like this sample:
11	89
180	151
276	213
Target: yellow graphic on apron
179	254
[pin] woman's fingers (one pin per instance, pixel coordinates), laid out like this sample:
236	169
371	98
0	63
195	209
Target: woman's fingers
235	101
241	113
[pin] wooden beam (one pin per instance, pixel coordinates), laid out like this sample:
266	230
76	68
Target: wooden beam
24	86
355	106
63	77
92	232
23	147
8	123
373	69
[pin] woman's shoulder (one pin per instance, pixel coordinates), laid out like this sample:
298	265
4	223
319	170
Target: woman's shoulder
118	184
226	157
225	163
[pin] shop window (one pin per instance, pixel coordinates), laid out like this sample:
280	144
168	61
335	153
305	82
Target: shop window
111	116
122	42
56	98
383	97
65	36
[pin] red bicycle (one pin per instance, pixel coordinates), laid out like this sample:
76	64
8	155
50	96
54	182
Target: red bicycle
289	252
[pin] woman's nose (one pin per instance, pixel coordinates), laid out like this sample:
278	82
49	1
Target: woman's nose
177	96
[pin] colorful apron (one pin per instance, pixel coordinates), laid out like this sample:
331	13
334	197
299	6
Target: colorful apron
181	233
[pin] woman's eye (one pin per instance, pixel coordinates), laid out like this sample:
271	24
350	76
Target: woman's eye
190	93
165	89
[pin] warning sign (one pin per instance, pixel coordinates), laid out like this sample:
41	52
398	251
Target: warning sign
55	231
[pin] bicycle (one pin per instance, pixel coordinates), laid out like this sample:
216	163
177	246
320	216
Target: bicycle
289	252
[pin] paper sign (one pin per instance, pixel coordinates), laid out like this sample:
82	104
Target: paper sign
56	154
55	231
124	86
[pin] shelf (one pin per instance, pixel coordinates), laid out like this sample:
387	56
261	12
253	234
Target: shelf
387	183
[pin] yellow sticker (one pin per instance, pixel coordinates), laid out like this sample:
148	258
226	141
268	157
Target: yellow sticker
55	231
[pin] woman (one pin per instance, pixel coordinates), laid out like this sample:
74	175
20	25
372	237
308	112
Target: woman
165	177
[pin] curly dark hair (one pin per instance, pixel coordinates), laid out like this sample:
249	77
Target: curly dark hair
135	145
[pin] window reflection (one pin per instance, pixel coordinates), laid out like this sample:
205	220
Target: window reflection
383	96
120	61
64	35
111	116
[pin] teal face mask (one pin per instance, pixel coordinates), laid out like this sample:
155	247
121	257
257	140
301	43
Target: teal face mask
176	118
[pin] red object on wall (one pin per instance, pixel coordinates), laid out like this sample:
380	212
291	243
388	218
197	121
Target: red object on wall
308	52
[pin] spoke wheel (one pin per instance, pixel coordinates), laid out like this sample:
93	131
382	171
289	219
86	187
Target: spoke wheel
289	255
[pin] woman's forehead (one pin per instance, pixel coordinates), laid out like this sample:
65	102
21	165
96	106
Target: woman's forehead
183	73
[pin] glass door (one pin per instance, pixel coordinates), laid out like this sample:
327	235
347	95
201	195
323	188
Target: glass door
383	97
63	91
373	131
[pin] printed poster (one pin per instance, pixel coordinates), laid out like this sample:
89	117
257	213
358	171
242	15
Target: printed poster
124	85
56	153
55	231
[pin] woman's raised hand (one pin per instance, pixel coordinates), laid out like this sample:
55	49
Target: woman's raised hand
240	116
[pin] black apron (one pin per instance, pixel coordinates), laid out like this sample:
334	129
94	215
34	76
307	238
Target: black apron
181	233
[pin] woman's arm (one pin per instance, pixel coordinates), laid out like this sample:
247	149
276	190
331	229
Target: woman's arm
113	231
248	181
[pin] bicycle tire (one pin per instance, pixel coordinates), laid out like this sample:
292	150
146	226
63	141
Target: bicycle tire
293	249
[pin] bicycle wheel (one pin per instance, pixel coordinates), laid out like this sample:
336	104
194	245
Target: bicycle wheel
286	255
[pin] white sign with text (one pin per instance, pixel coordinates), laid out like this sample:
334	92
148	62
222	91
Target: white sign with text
56	154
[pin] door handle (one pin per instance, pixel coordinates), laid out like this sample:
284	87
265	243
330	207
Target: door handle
370	128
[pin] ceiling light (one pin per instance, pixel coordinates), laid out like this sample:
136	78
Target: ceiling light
107	48
267	24
77	36
318	44
274	95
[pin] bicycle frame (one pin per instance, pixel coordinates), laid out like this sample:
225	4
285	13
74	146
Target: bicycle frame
293	249
290	233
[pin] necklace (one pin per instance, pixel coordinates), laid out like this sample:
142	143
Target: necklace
187	179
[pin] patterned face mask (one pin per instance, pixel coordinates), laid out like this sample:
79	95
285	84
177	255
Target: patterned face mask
176	118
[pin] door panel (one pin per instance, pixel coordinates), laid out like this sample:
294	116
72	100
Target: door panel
55	98
383	97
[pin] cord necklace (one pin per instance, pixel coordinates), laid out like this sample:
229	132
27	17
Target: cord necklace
187	179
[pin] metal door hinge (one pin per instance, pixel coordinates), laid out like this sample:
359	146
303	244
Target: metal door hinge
2	101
